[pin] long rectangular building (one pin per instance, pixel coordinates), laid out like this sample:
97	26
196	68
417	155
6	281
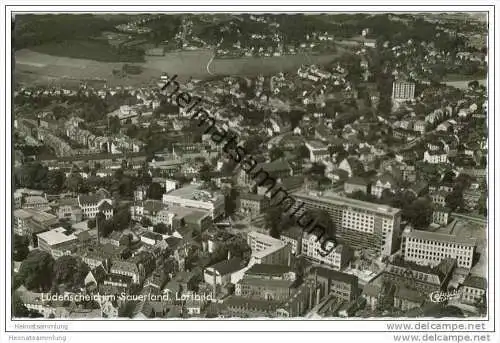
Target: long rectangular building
430	248
359	224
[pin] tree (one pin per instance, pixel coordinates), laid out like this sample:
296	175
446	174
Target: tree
204	172
387	197
317	169
21	249
114	124
31	175
127	309
146	222
473	84
482	305
106	227
419	213
253	143
303	152
70	271
482	206
99	219
230	201
121	218
455	200
276	153
74	182
91	224
448	177
18	308
194	282
462	182
273	219
155	191
147	260
55	181
36	271
295	117
323	218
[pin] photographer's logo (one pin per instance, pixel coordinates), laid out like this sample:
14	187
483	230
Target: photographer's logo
439	297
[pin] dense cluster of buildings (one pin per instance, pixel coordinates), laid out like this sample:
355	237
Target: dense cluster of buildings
402	190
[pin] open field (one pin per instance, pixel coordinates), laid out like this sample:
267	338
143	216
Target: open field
93	49
37	68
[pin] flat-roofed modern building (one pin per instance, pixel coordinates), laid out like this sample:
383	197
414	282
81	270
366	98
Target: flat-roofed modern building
359	224
430	248
51	240
268	250
317	151
192	196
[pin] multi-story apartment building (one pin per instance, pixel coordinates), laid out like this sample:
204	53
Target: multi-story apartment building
338	258
269	289
253	204
342	285
127	269
441	215
403	90
35	201
91	205
430	248
29	222
360	224
473	289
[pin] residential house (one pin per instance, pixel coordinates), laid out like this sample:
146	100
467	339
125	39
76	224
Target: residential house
384	181
127	269
220	273
337	259
253	204
92	204
435	157
352	166
405	299
473	289
441	215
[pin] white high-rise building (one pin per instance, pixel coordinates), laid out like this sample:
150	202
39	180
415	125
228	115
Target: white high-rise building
360	224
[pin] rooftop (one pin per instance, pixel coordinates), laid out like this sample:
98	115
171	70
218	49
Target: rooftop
192	192
268	282
316	145
334	199
294	232
358	181
334	275
440	237
475	281
56	236
228	266
268	269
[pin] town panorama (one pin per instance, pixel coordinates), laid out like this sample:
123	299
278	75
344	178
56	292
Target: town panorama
249	165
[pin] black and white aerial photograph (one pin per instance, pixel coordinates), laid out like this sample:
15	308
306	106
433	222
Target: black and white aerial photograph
184	165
